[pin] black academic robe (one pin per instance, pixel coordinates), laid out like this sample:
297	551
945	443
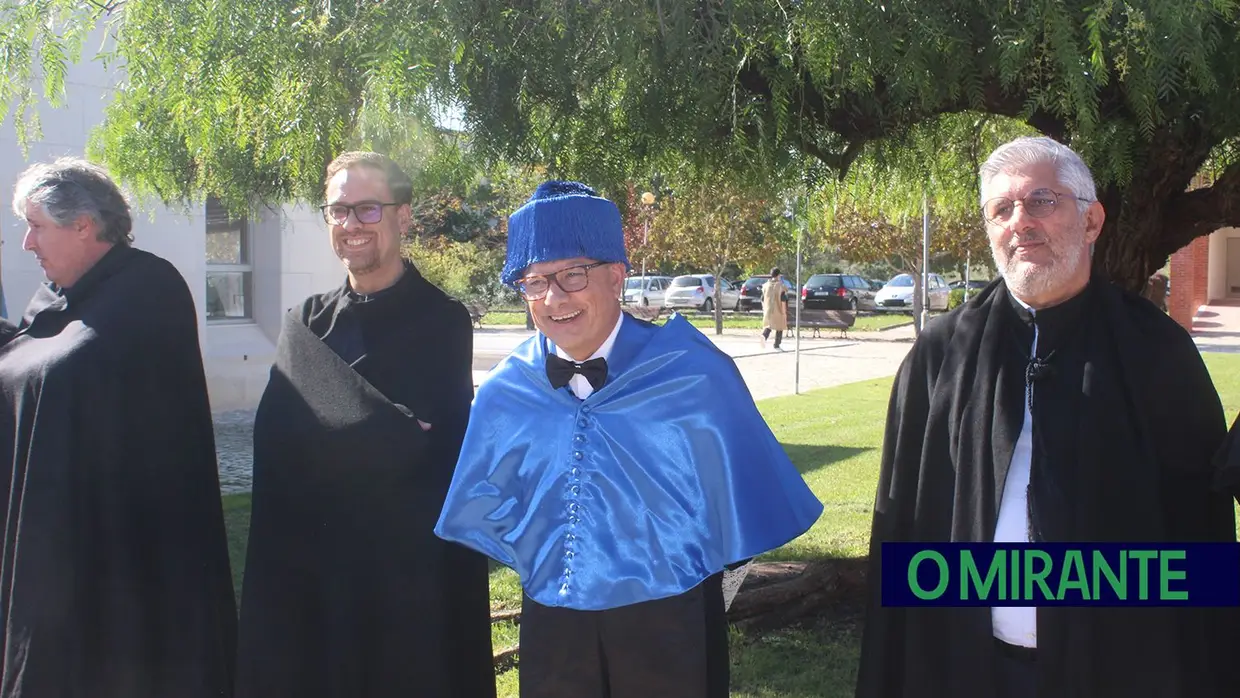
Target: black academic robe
1125	423
348	593
115	578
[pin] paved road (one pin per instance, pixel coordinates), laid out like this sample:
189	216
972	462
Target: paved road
824	362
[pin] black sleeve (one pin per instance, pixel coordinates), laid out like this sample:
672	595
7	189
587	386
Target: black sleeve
882	645
457	339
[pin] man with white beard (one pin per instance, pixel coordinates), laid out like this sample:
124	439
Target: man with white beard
1053	407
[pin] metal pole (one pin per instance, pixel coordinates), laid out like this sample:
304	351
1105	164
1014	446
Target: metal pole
645	238
796	298
925	260
967	263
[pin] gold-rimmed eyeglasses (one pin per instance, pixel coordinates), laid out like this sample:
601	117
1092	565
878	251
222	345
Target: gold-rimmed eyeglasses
1038	203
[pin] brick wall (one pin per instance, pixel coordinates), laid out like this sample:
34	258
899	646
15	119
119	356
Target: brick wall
1190	267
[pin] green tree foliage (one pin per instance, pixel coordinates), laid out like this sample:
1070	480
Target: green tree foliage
875	214
468	271
712	224
249	98
1141	88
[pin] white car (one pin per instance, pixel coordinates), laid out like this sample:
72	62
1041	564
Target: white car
698	291
655	290
897	294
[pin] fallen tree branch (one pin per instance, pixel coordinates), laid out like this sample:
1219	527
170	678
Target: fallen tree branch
512	614
506	658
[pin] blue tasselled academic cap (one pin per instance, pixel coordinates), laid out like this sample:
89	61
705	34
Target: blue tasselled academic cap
563	220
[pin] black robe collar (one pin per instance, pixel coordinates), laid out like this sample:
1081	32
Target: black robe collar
51	298
1139	471
345	301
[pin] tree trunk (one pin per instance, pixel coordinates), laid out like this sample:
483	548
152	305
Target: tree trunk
779	594
1143	228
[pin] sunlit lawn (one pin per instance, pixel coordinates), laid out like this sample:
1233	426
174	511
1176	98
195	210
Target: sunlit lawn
835	437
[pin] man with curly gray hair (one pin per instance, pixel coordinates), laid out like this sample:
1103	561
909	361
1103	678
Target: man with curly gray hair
115	580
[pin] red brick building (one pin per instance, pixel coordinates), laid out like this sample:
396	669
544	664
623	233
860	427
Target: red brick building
1190	281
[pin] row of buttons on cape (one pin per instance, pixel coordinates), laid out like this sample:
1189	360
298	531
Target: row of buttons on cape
574	491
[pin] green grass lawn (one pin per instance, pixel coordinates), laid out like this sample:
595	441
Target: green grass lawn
835	438
742	321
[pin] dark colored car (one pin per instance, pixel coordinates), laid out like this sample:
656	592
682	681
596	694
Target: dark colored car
837	292
751	291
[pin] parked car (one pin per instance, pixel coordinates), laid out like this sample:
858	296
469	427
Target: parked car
837	292
751	291
698	291
655	290
897	295
974	284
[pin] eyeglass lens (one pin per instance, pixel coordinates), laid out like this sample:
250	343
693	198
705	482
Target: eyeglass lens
1039	204
571	280
365	213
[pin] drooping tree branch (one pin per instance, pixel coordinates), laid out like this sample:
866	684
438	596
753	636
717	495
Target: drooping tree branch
1202	211
862	117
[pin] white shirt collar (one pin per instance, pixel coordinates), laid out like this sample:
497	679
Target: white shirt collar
1023	304
604	351
578	384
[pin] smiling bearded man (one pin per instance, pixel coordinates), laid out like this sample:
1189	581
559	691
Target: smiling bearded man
1053	407
348	593
619	468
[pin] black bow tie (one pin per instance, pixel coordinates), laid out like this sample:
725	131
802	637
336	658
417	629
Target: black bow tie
560	371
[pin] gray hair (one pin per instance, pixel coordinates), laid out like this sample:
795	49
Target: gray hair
72	187
1028	150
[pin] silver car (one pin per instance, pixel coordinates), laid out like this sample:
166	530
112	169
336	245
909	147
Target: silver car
649	290
698	291
898	293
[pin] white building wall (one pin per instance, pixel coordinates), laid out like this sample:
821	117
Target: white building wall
290	253
1217	281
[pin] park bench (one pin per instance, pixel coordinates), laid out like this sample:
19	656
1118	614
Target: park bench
649	313
818	320
477	311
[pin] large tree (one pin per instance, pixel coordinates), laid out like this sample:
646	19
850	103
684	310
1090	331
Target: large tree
1142	89
712	223
249	97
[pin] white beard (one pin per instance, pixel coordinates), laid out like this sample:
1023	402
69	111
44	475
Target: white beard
1029	280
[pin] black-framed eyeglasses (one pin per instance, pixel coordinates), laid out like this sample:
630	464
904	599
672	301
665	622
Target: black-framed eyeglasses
366	212
1038	203
569	279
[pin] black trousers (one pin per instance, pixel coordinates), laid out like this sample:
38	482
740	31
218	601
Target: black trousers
779	335
675	647
1016	671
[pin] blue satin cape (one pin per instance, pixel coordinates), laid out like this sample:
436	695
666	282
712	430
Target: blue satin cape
650	485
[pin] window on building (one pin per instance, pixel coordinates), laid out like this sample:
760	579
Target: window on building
229	269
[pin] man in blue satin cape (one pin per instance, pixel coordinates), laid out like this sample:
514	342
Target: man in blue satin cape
619	467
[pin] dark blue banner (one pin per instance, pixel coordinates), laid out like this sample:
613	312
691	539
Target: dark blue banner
1060	574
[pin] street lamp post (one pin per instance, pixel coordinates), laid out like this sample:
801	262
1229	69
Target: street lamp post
647	201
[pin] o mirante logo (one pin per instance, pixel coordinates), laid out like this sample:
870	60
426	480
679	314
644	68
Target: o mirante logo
1015	574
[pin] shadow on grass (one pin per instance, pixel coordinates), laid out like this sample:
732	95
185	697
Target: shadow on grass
810	457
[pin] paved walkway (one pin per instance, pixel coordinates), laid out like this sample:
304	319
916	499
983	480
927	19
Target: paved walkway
1216	327
824	362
